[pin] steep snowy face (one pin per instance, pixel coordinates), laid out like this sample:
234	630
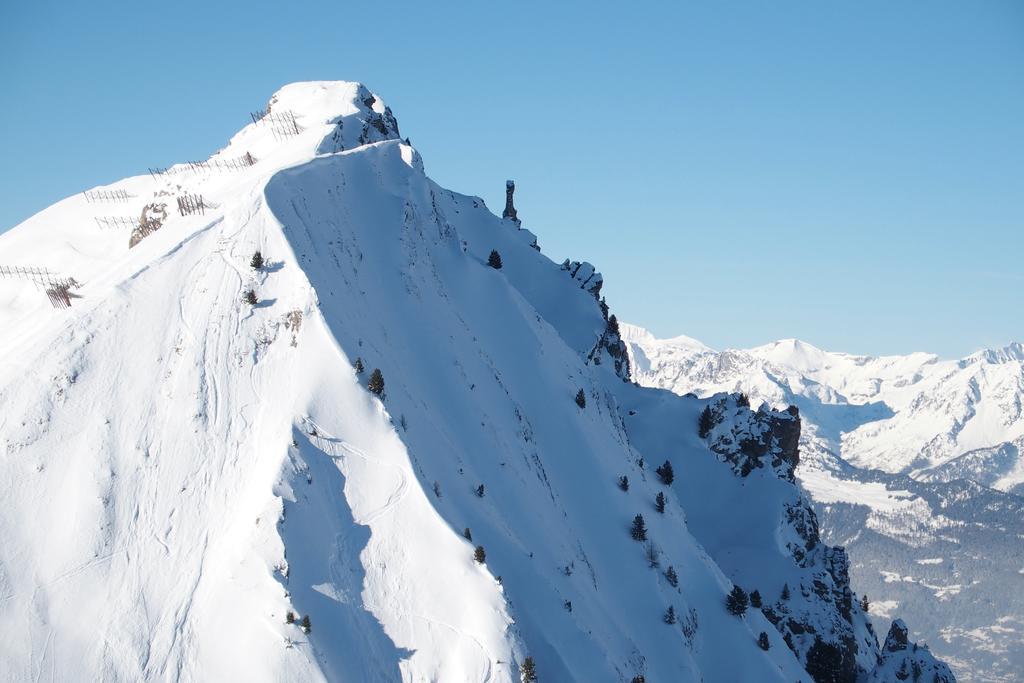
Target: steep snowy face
371	426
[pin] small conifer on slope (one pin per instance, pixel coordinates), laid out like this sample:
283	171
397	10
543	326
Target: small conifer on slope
736	601
639	529
376	383
528	671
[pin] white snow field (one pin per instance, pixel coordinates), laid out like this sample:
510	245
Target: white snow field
182	469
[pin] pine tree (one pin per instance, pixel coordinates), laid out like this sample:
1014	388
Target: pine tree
707	422
613	325
468	534
671	576
307	626
762	641
528	671
755	599
494	260
670	615
624	483
639	529
659	502
785	591
652	554
479	555
437	489
736	601
376	383
864	604
257	260
825	661
638	679
743	400
480	491
250	297
289	617
358	366
581	399
666	474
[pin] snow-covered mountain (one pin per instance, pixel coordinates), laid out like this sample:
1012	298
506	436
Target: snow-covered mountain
931	419
912	463
398	445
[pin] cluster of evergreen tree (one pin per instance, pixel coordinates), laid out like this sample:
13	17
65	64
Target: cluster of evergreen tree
736	601
528	671
671	576
376	383
624	483
257	260
250	297
762	641
665	473
639	529
581	399
479	555
706	422
825	662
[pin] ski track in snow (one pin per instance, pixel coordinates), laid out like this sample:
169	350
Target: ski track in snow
330	445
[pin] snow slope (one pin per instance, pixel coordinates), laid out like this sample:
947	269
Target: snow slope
890	456
181	470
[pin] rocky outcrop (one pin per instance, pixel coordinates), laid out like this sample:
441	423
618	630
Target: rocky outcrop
586	275
902	660
749	439
373	122
610	343
818	614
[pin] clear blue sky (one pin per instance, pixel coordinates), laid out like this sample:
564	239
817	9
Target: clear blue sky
848	173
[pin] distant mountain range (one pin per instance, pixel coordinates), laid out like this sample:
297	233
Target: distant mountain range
913	464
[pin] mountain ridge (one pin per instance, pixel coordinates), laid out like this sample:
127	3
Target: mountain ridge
439	462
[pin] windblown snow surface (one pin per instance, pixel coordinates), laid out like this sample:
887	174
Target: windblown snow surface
913	463
181	469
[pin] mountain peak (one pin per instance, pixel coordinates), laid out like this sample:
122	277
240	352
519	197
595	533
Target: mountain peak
1012	352
325	99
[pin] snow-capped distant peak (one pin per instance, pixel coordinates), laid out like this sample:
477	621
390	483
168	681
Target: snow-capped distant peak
793	353
1010	353
635	333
